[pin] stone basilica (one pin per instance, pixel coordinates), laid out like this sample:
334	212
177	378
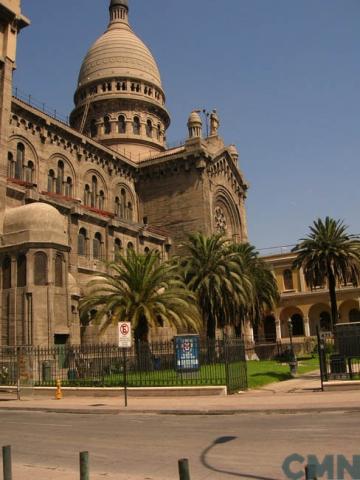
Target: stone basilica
71	196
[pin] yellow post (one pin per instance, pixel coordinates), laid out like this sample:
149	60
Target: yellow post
58	394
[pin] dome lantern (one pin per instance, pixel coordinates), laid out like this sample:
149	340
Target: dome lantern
119	12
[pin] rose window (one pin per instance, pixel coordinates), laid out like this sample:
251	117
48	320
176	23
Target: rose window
220	220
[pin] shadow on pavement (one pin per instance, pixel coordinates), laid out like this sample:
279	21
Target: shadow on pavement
219	441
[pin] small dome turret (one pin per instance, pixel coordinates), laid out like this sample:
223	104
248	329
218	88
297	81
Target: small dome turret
195	125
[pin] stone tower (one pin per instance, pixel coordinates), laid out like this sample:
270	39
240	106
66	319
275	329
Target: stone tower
119	99
11	22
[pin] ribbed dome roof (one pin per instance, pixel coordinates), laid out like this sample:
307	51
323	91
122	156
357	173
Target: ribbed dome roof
119	53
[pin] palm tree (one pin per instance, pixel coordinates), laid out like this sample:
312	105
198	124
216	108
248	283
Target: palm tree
143	291
263	292
329	253
212	271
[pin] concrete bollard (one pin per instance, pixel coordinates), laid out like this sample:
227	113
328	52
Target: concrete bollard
7	468
84	466
184	469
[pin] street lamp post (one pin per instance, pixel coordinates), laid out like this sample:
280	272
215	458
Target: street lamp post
293	364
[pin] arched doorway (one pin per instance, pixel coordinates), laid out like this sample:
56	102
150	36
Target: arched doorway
325	322
298	325
269	329
319	317
354	315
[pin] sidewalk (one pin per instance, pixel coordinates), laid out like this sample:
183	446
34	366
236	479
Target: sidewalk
298	395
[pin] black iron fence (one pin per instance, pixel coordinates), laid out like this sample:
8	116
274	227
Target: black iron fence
339	356
221	362
265	349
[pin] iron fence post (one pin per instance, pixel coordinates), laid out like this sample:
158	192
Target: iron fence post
84	465
320	353
7	469
184	469
350	368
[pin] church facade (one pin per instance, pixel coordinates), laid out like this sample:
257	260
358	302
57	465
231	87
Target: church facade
73	195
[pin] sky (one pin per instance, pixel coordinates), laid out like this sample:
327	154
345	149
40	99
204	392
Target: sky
282	74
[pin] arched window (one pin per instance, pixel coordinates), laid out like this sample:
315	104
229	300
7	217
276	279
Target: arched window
93	191
117	247
59	270
6	273
97	246
93	128
146	250
60	177
122	203
288	280
87	196
107	125
136	126
122	124
40	269
11	166
68	187
29	172
21	271
354	315
149	128
117	207
129	211
158	132
82	242
101	200
51	181
20	157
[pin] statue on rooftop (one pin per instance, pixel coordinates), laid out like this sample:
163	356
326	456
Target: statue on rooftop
214	123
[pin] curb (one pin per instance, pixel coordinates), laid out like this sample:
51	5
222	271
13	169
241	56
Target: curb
284	411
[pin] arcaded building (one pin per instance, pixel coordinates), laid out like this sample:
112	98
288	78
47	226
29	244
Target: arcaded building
307	309
73	195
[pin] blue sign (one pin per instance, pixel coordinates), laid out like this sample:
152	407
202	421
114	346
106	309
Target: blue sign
187	353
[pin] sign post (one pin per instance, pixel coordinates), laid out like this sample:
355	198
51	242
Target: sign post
125	341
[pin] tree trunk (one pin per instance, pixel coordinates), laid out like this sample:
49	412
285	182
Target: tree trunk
211	327
332	294
143	350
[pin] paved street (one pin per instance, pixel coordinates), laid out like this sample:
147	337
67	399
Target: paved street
139	447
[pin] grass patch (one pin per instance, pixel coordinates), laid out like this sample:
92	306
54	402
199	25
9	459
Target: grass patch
259	373
269	371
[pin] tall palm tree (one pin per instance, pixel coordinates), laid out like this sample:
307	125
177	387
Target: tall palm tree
329	253
263	292
212	271
142	290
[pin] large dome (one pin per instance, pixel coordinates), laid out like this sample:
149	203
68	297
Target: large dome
119	100
119	53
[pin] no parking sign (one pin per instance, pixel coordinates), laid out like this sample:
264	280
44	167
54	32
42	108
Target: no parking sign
125	340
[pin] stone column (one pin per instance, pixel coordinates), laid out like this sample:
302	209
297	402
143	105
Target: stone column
307	326
278	329
302	280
